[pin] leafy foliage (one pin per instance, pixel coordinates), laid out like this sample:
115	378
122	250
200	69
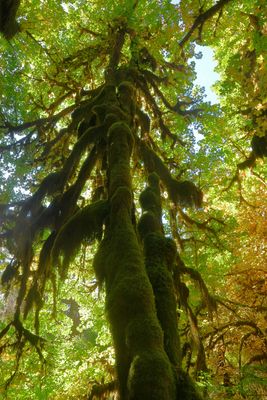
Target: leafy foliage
97	126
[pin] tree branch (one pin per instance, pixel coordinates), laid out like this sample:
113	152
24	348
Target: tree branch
202	18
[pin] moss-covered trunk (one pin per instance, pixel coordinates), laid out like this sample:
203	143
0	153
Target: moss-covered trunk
144	370
160	255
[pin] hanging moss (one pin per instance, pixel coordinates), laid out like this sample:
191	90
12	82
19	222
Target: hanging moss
44	265
10	272
47	216
85	224
153	163
75	156
51	184
23	241
33	298
184	193
68	203
35	217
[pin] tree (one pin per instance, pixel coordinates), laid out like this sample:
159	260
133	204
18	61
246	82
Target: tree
98	122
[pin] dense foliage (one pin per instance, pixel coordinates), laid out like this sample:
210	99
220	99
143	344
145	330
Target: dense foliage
132	211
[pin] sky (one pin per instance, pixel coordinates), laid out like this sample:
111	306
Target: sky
205	70
206	76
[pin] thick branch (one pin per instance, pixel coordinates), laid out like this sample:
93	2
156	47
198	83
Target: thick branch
202	18
38	122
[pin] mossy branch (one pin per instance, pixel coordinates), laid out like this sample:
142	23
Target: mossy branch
23	336
177	107
184	193
182	292
165	131
209	301
41	122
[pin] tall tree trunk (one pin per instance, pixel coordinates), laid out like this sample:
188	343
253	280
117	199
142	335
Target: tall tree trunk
140	296
144	370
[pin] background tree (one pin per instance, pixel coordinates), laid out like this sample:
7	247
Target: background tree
98	119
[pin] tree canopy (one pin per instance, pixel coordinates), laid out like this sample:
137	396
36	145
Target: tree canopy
132	210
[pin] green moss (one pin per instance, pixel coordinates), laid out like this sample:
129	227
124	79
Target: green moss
120	142
160	253
126	88
153	181
45	257
121	198
186	388
99	262
151	377
130	294
8	24
184	193
170	253
118	132
119	176
151	205
102	110
143	333
85	224
126	97
33	298
163	287
130	303
148	223
106	94
150	201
